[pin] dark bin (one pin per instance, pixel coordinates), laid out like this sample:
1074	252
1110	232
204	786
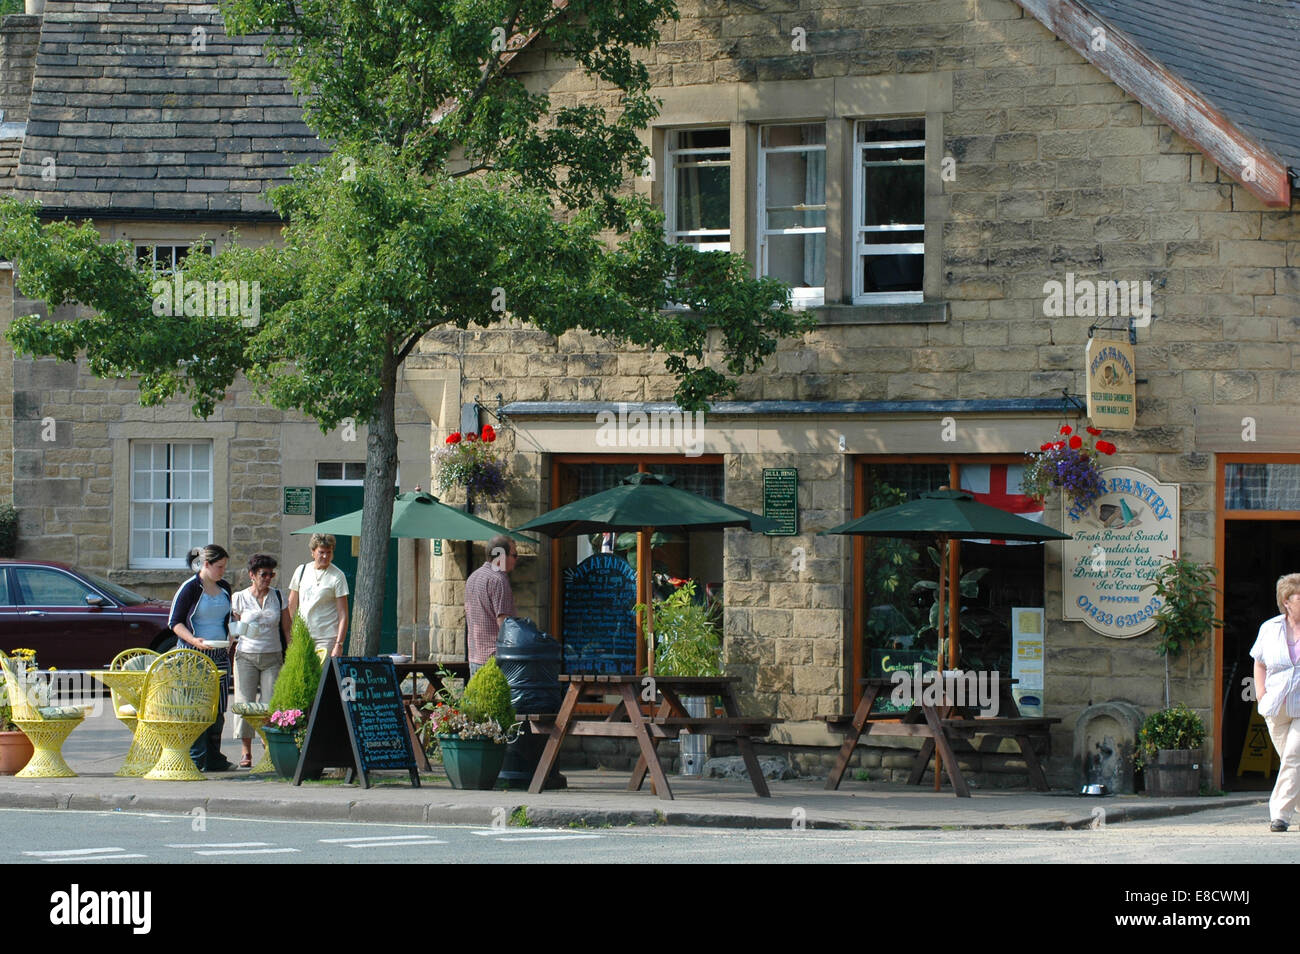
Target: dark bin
530	660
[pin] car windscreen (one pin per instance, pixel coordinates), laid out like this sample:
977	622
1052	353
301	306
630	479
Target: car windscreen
119	593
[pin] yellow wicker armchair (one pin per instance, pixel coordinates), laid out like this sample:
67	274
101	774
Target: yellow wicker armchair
178	702
145	747
48	727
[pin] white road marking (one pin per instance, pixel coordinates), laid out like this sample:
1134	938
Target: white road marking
550	838
248	851
71	851
372	838
227	844
85	858
395	844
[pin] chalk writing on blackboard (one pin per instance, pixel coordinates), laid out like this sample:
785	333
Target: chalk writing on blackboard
357	722
599	623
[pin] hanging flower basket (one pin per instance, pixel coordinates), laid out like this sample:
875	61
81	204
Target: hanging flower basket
470	461
1071	463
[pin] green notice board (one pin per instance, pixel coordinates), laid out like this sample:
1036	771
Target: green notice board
781	499
297	501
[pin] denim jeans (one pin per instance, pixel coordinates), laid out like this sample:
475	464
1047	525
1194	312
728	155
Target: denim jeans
206	750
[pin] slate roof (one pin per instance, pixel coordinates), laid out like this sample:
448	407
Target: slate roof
1242	55
150	111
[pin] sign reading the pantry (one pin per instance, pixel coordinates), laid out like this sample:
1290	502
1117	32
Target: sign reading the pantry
1120	542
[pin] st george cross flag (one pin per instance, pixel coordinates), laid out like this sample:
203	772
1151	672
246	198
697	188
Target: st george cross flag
998	485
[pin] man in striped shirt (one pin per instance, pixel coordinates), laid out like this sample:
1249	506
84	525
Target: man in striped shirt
489	600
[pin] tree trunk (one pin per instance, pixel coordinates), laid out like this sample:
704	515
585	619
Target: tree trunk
376	519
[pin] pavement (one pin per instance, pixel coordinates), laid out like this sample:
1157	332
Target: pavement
595	798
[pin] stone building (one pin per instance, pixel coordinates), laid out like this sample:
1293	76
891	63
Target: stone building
920	173
146	119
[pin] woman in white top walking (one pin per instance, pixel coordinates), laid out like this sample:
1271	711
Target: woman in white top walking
1277	685
259	653
319	591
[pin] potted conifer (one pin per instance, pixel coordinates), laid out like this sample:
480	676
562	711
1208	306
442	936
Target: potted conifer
472	727
293	695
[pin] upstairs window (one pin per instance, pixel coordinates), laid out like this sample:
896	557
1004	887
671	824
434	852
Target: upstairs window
697	195
889	211
165	258
792	208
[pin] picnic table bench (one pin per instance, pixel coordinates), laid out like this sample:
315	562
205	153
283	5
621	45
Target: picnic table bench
938	724
629	719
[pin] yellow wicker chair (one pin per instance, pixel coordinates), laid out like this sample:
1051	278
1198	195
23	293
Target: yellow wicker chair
179	701
48	727
145	747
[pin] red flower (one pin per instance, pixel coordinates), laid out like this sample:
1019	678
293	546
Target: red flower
1094	432
489	433
1066	429
1076	442
1106	447
1045	447
1058	445
471	436
453	438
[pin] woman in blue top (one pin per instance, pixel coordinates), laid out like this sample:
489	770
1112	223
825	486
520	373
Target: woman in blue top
201	612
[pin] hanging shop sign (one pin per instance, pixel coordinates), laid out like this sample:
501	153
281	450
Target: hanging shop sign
1112	386
1120	542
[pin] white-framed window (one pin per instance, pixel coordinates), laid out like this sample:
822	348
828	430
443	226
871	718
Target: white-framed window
166	257
345	473
791	206
888	210
171	501
697	190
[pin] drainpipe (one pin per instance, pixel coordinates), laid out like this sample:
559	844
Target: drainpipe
36	7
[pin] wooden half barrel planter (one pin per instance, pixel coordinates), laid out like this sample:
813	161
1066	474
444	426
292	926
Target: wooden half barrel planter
1175	773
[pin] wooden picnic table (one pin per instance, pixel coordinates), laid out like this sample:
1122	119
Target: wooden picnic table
938	723
669	720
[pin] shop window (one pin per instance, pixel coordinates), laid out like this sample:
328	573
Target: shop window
889	211
171	501
900	575
675	556
792	208
1261	486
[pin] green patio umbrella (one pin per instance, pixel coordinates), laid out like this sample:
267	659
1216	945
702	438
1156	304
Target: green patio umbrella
420	516
643	503
946	515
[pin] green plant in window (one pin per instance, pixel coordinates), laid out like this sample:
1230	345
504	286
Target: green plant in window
686	635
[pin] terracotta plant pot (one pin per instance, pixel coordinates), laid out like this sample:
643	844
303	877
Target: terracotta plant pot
15	752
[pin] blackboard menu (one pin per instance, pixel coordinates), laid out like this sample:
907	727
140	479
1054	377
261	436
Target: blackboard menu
375	708
599	624
781	499
358	722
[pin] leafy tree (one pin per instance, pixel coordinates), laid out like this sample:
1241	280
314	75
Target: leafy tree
455	196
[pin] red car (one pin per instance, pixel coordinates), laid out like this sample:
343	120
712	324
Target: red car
73	619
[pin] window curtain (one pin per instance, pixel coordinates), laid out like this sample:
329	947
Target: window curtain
814	246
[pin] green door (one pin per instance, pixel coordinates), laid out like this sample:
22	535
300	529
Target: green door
334	501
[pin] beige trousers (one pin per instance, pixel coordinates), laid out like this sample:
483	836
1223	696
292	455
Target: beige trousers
254	673
1285	733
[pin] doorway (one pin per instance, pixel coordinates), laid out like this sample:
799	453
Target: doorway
334	500
1255	554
